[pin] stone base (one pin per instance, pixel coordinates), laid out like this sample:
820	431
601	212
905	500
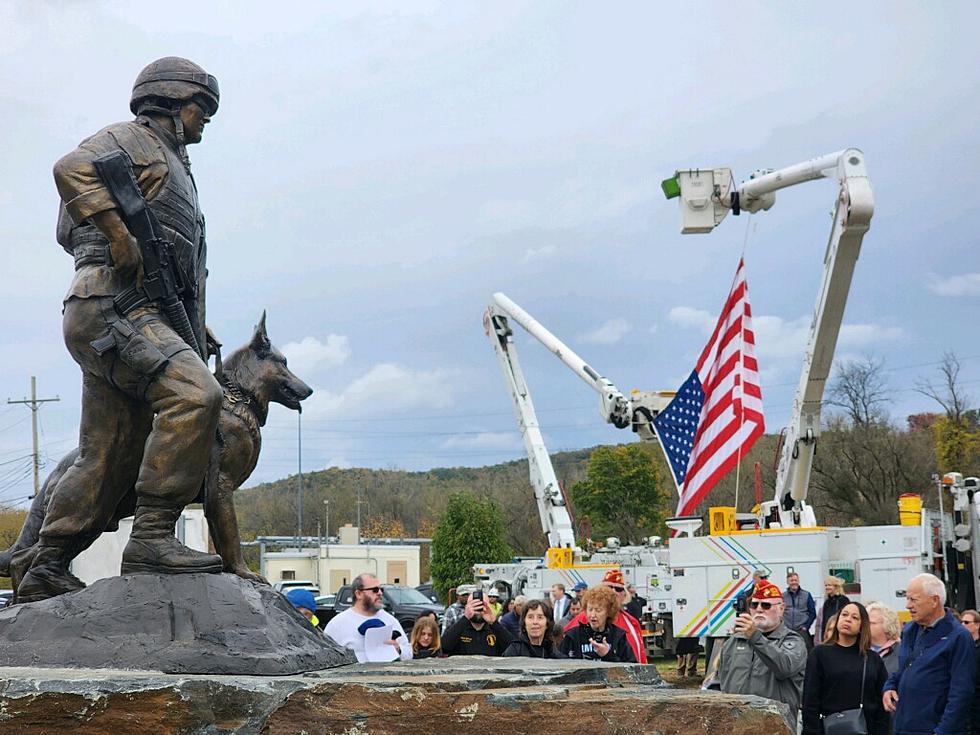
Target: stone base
439	696
177	624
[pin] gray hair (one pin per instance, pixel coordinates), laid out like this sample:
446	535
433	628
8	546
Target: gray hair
519	602
931	585
889	619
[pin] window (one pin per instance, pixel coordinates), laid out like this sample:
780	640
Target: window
288	574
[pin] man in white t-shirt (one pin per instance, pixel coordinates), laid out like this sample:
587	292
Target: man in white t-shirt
366	628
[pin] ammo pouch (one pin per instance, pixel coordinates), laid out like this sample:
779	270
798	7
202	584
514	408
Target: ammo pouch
133	348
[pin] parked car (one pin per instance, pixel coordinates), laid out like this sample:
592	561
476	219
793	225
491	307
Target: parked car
325	608
429	591
405	603
5	597
284	585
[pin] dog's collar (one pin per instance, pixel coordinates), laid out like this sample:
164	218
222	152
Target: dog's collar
236	396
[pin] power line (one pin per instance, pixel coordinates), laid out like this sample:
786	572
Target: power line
35	404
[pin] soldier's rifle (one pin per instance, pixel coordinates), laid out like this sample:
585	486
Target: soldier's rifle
164	280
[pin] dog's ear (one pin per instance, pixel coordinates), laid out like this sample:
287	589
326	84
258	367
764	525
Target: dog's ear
260	338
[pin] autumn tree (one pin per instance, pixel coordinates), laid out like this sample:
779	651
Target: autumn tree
622	494
957	431
383	527
470	531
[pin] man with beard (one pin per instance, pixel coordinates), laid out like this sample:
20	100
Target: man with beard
764	657
477	633
350	627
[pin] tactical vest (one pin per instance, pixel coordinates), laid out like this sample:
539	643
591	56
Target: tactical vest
176	208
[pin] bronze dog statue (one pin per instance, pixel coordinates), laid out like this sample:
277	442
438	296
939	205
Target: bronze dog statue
252	377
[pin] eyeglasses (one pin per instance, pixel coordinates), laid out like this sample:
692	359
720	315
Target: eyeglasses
756	604
375	590
614	588
970	622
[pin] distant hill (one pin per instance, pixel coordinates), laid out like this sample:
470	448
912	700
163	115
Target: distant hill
415	499
399	503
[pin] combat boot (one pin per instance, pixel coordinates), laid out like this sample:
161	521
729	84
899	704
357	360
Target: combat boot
48	576
153	548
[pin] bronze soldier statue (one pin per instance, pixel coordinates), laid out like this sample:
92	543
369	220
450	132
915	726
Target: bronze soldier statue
150	405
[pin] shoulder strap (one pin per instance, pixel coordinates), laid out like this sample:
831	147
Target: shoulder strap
864	670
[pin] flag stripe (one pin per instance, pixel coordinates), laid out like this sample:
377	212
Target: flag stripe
716	416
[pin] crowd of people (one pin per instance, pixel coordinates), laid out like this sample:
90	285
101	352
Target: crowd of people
863	673
859	669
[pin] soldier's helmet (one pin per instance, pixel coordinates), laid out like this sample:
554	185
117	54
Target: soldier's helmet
173	79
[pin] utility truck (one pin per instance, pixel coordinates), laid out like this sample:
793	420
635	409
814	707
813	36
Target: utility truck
876	562
565	562
690	587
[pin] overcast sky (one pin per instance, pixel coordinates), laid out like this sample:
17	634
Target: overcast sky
376	171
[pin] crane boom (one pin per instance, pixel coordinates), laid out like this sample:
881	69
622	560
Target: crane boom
556	521
852	218
706	197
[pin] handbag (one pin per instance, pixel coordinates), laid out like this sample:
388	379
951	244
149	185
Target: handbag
850	721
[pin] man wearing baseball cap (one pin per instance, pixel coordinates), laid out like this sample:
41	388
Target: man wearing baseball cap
455	611
764	657
634	633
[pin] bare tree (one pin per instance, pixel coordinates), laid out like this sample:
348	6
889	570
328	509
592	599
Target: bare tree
860	470
949	393
860	389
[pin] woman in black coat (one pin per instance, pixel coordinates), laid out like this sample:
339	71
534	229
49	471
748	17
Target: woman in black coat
600	639
834	600
844	674
536	639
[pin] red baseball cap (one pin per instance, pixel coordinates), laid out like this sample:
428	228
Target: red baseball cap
614	576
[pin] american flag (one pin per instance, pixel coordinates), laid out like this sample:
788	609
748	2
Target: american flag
716	416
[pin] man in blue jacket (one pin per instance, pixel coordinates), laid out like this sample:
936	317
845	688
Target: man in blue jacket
930	692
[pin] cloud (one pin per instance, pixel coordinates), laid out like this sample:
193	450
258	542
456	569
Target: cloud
857	335
545	251
310	353
607	334
965	284
685	316
485	440
385	389
777	338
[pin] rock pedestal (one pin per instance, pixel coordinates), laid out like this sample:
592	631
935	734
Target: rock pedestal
412	698
177	624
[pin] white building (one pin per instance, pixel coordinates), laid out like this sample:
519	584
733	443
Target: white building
333	565
103	558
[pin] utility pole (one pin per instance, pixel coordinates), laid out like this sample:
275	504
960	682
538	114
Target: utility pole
359	501
299	465
326	521
35	403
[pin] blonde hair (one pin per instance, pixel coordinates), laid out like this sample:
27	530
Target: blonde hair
420	625
836	582
889	619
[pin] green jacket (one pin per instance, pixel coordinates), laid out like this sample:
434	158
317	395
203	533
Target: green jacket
769	665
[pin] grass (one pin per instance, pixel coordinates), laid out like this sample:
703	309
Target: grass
668	670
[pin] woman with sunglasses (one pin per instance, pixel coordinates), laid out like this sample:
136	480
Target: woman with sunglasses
843	673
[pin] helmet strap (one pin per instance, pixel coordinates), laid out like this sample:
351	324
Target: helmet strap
181	143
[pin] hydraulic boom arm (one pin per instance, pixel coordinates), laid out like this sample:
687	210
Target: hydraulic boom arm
706	196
